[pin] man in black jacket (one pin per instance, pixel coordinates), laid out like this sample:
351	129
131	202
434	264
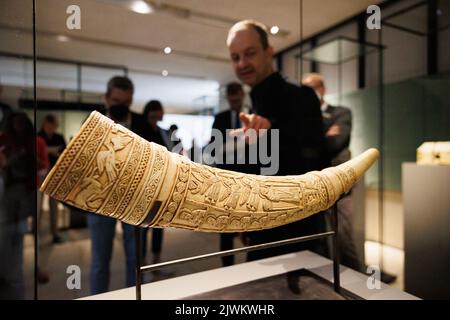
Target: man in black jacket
291	109
337	122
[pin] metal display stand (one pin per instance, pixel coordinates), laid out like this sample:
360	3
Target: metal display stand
140	270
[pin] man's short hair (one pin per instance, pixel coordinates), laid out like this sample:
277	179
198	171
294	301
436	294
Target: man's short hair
234	88
316	76
119	82
257	26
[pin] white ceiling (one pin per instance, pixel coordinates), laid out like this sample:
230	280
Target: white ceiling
112	34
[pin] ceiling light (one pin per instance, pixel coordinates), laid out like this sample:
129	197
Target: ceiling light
140	6
62	38
274	29
165	73
167	50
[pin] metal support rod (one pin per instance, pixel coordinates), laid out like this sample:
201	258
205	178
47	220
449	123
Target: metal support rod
138	239
340	72
433	37
404	29
336	274
65	61
79	88
404	10
36	217
148	268
152	267
361	71
381	149
314	66
301	38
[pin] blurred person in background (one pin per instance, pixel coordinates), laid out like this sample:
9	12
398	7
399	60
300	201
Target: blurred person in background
5	111
42	167
17	203
55	146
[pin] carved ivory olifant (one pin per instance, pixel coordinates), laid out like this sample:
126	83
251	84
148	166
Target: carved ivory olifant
109	170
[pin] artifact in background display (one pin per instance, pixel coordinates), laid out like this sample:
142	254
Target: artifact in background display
434	153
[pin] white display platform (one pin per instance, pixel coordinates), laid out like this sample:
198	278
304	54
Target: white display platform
206	281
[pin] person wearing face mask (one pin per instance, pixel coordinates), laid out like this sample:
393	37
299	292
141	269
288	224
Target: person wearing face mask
337	123
118	99
294	111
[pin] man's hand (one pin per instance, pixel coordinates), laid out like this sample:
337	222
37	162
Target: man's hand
333	131
254	122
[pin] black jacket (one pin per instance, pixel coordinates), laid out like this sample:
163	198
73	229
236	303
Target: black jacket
295	111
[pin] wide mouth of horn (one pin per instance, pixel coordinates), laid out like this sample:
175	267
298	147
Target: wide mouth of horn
68	150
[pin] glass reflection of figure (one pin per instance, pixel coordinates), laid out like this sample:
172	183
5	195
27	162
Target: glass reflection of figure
17	199
55	145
